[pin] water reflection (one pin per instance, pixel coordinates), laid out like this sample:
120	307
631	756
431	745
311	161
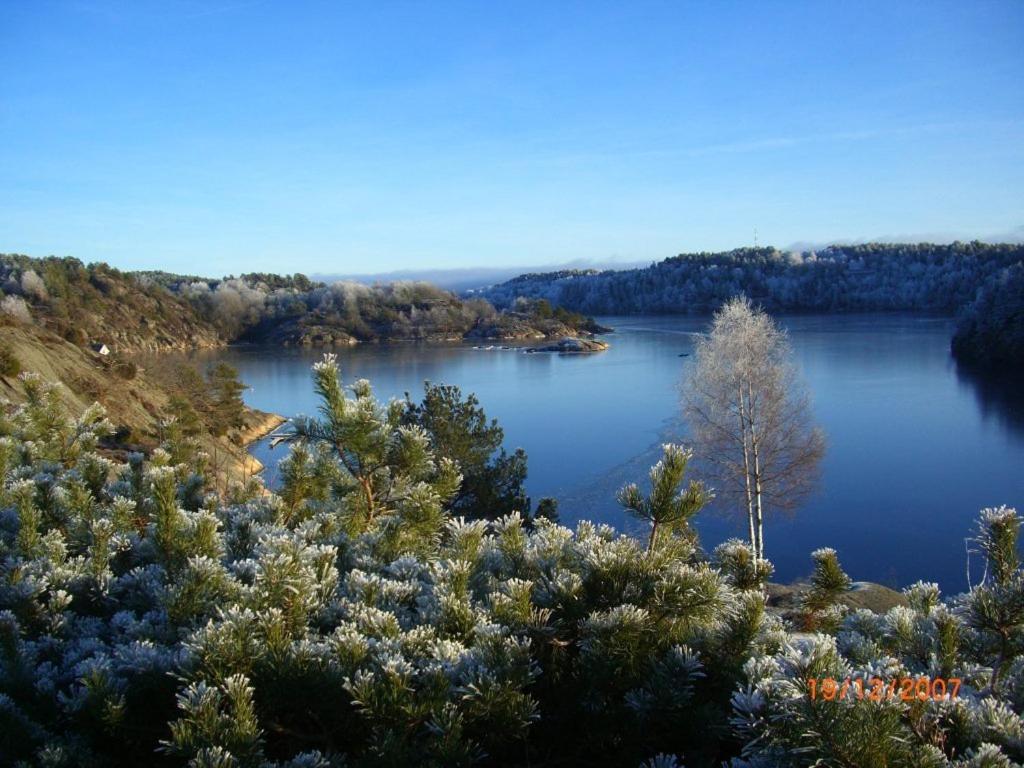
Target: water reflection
1000	397
915	446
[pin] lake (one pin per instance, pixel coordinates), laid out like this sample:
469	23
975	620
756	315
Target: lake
915	446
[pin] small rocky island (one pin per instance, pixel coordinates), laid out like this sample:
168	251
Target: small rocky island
572	346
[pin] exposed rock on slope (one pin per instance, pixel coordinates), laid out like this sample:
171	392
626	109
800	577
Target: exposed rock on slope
135	405
786	600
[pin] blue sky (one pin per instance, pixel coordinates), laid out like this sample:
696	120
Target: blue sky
217	137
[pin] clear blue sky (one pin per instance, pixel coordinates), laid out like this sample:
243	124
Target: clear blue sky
221	136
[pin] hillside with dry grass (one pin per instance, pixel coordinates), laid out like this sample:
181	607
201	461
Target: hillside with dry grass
139	400
97	304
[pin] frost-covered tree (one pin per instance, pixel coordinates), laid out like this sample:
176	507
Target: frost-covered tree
391	482
736	560
995	609
990	330
750	415
828	583
668	507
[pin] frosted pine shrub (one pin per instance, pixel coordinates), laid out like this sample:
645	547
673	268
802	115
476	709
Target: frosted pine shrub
350	619
974	639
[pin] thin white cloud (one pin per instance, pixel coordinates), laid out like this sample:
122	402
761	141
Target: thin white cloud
770	143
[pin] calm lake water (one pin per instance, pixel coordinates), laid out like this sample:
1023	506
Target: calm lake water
915	446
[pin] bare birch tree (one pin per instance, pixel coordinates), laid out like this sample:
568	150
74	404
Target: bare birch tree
750	415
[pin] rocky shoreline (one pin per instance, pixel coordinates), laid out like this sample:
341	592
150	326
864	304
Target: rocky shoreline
509	326
258	424
262	424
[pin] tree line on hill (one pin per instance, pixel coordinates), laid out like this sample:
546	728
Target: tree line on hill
292	309
977	282
155	310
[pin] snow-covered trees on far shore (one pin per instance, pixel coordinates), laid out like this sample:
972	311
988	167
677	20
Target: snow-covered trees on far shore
869	277
351	620
980	282
990	330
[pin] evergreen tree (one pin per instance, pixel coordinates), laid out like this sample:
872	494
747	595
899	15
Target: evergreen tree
828	583
390	481
738	564
227	409
667	508
996	608
492	480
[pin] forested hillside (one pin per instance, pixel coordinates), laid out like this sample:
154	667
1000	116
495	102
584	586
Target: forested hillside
98	304
153	311
293	310
990	330
941	278
871	277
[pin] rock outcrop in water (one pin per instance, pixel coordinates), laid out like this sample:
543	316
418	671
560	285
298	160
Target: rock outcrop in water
572	346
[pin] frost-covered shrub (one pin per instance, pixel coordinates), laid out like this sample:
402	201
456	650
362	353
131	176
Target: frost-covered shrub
32	285
967	648
349	620
735	559
828	582
14	308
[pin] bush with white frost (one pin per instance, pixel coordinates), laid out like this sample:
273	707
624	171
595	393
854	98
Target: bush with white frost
15	308
32	285
351	620
970	644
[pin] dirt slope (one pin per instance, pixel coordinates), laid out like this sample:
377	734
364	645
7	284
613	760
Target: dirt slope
134	405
